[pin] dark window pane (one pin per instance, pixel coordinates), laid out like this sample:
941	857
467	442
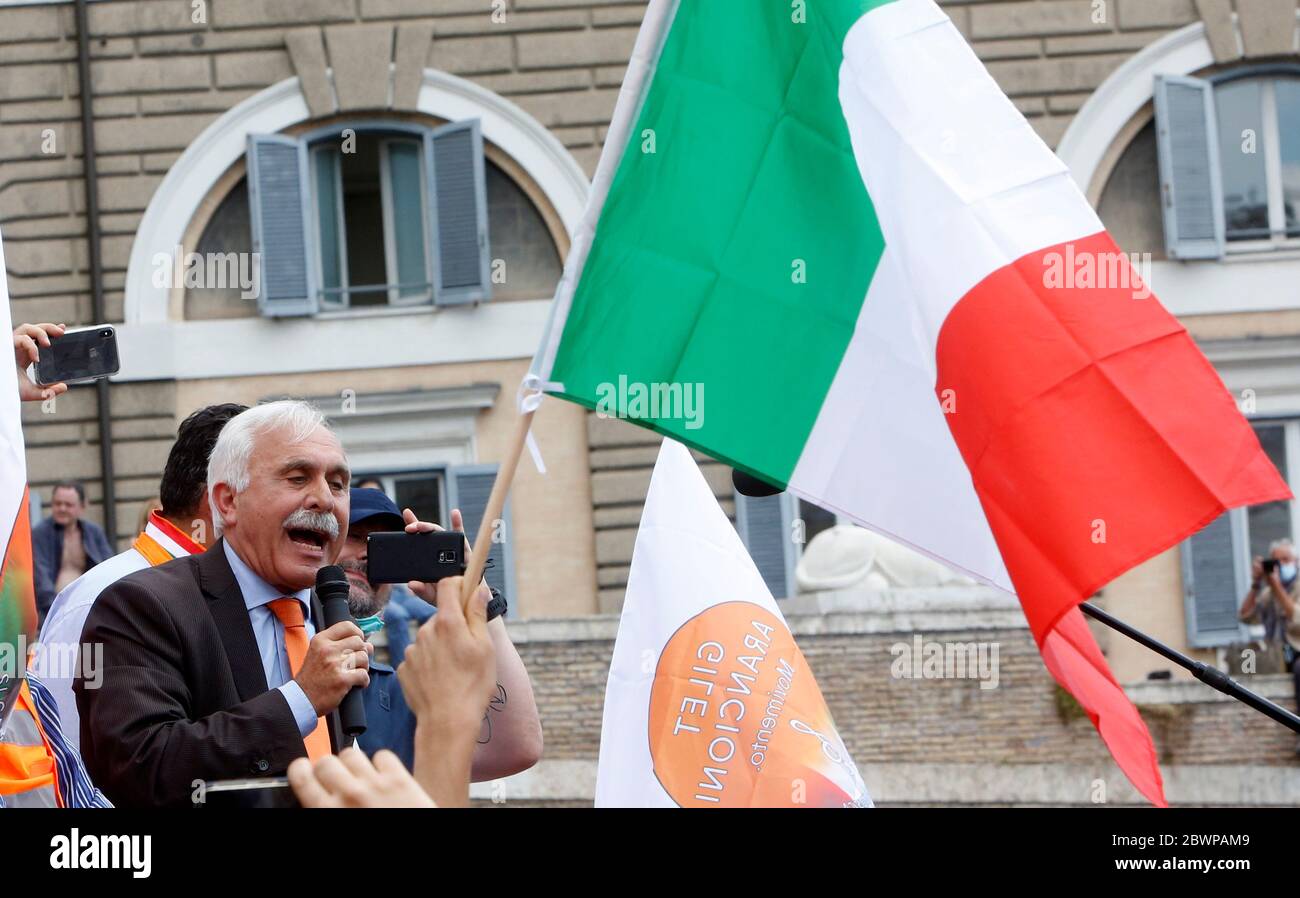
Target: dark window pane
815	520
1272	520
227	231
520	239
423	495
1288	120
1241	152
1130	203
363	214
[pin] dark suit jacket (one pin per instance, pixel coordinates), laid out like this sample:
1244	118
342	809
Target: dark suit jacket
183	695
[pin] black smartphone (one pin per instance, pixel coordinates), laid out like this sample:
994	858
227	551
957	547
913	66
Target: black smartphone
262	792
429	556
87	353
1270	565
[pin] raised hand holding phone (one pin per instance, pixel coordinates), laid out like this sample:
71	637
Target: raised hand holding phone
28	341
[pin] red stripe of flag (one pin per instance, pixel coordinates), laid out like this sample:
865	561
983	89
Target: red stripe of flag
1097	436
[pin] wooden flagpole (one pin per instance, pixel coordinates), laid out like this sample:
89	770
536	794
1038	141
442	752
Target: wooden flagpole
496	505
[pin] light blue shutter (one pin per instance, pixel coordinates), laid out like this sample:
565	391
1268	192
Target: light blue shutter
1212	584
458	214
764	524
468	487
279	203
1191	187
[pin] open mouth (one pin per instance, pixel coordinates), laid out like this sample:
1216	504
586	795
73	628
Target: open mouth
313	540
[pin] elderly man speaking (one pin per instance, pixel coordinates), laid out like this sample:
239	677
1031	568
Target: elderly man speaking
213	666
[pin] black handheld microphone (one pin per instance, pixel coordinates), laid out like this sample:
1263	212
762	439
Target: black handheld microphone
332	590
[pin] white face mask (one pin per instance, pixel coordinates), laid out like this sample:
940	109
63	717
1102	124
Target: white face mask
1286	572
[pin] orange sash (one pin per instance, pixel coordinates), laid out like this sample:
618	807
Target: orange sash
153	553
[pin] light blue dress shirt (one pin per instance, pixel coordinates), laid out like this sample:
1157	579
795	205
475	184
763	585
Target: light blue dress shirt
269	632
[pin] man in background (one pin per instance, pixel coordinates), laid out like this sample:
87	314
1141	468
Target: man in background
1273	601
509	737
65	545
403	605
181	527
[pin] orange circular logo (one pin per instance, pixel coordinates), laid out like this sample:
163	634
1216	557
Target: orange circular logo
736	719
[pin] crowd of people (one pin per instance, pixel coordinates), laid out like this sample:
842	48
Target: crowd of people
200	654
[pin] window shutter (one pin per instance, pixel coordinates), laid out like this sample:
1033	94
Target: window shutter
458	213
468	487
279	200
764	526
1191	186
1211	583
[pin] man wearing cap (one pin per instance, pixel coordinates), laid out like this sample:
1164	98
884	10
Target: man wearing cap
510	739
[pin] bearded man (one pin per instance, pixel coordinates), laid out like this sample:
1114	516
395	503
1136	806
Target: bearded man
510	735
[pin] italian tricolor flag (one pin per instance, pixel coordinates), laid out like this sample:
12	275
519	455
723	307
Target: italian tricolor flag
828	215
17	590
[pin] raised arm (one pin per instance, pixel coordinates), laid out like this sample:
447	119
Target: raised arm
510	739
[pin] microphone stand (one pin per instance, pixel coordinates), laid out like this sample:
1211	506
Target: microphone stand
1210	676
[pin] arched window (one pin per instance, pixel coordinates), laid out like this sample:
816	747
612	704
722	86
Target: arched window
370	213
1229	161
366	239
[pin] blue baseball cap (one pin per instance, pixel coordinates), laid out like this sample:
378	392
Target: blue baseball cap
369	504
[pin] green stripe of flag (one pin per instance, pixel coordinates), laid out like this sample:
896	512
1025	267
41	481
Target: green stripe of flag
694	273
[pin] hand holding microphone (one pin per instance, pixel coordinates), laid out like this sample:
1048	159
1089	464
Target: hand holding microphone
336	667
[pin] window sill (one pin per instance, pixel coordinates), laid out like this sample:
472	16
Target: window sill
1257	250
425	307
375	312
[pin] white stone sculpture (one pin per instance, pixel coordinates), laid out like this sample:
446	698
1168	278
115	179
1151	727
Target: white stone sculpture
846	556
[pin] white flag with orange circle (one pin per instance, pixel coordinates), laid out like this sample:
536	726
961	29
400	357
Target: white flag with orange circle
710	703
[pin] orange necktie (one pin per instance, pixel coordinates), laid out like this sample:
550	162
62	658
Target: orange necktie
289	611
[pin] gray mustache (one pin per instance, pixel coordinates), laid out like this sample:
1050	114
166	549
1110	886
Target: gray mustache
302	519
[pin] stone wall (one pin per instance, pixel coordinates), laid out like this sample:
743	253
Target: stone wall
897	725
1026	719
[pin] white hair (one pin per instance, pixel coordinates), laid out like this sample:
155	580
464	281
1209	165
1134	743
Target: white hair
293	419
1282	543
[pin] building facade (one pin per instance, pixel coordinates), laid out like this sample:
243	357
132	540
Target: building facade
407	173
